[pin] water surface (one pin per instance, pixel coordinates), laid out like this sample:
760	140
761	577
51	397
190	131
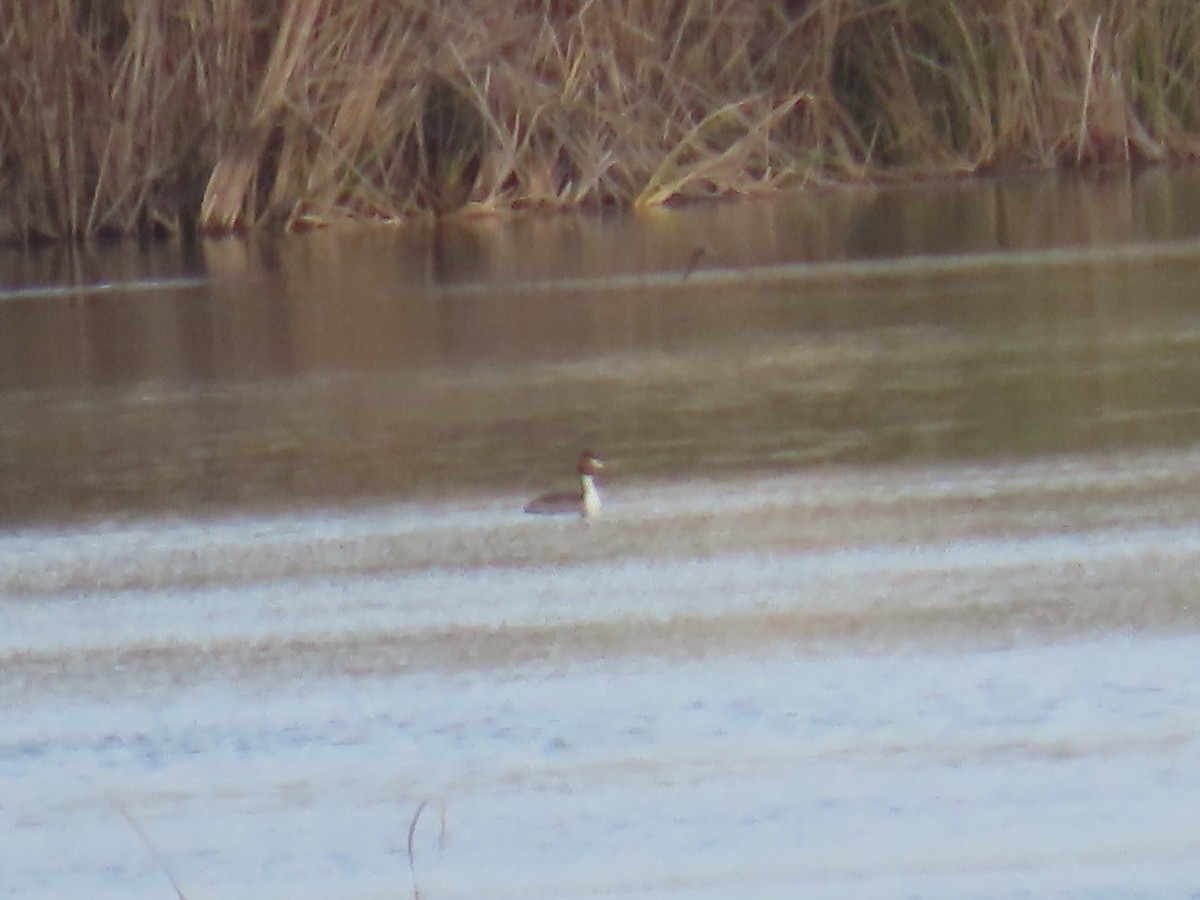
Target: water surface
893	594
1029	317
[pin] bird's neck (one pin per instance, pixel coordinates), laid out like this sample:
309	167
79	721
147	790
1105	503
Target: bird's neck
591	497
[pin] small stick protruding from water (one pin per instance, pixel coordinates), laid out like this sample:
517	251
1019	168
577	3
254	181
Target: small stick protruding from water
412	833
698	253
150	845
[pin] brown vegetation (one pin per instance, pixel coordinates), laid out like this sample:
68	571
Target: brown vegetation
123	117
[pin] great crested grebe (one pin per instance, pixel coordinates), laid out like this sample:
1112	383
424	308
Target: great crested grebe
584	502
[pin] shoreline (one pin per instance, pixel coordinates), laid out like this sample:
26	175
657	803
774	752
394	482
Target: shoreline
231	119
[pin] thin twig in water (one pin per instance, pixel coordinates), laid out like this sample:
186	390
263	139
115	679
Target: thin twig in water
694	260
150	845
412	832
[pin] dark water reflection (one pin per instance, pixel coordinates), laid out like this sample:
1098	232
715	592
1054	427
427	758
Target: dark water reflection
391	363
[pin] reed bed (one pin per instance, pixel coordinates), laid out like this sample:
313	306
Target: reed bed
219	115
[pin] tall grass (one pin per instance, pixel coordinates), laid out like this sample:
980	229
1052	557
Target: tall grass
164	115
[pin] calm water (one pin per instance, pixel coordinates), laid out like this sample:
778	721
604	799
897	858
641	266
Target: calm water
1030	317
893	595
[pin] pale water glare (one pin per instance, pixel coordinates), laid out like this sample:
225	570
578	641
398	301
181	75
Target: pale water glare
894	593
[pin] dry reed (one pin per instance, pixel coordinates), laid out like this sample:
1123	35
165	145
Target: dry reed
166	115
150	846
412	833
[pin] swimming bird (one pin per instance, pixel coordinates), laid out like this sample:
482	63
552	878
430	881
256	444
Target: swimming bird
584	502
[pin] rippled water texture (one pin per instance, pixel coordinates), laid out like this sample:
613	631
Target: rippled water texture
894	592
